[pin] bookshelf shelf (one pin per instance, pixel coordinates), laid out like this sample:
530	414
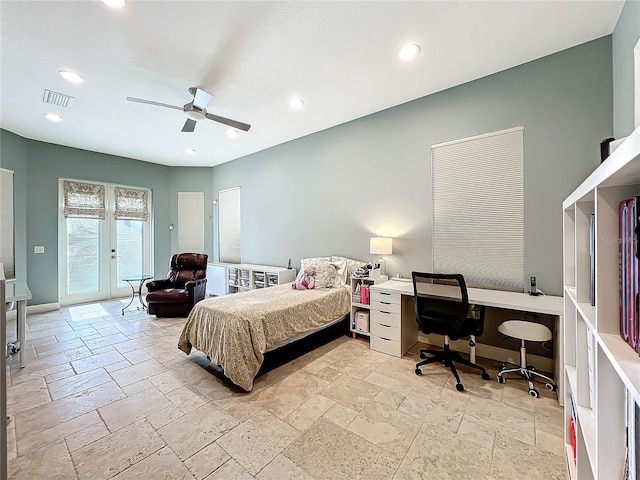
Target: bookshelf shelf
604	375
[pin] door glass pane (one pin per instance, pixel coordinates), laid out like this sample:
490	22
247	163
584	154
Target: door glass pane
129	249
83	255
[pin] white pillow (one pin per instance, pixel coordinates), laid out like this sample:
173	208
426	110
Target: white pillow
341	276
352	265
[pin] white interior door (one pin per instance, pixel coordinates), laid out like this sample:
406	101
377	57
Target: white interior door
190	222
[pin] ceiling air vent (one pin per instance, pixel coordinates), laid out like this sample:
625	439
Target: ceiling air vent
55	98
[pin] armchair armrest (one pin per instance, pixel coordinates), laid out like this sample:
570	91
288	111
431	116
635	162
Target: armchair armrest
197	289
161	284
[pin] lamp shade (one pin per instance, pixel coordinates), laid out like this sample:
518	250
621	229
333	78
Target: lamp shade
381	246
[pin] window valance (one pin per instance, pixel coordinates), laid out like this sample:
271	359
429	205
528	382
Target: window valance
84	200
131	204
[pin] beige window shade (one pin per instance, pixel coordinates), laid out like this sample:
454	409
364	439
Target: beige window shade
131	204
191	222
229	225
7	243
84	200
478	209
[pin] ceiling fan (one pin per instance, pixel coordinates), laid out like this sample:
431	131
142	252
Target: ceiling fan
195	110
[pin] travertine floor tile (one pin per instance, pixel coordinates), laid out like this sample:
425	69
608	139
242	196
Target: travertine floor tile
351	392
340	415
532	463
206	460
67	386
230	471
53	434
137	372
86	436
131	409
445	409
197	429
329	452
116	452
51	462
162	465
257	441
304	416
26	396
59	411
281	468
436	453
96	361
500	417
287	395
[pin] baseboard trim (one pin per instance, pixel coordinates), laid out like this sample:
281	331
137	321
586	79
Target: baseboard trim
32	309
544	364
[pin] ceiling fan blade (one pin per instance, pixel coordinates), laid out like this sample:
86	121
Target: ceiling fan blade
201	99
140	100
189	125
227	121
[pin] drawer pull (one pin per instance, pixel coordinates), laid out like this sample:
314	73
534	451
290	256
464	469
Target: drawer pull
387	313
384	293
387	339
386	303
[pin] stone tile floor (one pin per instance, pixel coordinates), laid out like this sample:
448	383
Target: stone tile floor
111	396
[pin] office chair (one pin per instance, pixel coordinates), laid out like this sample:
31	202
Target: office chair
448	317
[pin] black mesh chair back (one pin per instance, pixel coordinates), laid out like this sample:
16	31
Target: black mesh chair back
441	304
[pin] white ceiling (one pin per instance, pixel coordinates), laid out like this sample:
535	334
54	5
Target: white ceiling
341	57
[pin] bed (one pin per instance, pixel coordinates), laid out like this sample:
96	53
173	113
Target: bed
235	331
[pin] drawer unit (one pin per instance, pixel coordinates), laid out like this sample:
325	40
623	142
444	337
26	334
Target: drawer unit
385	297
384	345
385	306
385	318
384	331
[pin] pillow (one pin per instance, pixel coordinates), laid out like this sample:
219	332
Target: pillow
341	272
352	265
325	275
305	262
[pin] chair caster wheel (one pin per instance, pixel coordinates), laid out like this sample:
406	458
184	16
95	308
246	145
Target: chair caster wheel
418	372
423	356
550	386
534	393
501	379
459	387
485	376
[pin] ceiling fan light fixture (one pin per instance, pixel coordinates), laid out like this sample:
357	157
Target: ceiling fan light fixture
231	132
296	103
71	76
114	3
53	117
190	151
409	51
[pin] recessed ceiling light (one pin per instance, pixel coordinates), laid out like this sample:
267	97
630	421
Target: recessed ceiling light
409	51
72	77
53	117
232	132
114	3
190	151
296	103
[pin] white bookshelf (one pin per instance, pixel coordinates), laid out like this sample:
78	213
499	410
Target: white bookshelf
614	369
229	278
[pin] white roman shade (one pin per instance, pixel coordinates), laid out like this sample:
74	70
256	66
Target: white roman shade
84	200
6	223
131	204
478	209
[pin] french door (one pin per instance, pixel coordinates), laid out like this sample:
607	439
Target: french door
100	243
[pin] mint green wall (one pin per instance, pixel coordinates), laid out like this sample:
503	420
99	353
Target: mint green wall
327	193
46	164
625	37
192	179
13	156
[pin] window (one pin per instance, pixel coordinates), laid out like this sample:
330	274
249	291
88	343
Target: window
478	209
7	243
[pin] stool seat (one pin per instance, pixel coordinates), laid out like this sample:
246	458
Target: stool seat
531	331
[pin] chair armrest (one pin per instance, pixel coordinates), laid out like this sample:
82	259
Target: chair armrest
197	290
161	284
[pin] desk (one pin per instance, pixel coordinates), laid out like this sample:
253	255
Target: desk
522	302
19	292
131	280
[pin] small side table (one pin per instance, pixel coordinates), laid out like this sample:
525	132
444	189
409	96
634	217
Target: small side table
131	281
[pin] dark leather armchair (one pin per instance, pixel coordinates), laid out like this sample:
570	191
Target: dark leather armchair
185	286
448	317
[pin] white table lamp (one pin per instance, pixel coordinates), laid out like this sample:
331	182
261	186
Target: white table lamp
381	246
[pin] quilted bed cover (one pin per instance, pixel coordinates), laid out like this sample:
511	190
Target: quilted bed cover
235	330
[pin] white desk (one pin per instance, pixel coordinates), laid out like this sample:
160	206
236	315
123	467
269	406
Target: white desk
19	292
522	302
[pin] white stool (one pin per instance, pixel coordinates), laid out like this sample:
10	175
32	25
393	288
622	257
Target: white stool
525	331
